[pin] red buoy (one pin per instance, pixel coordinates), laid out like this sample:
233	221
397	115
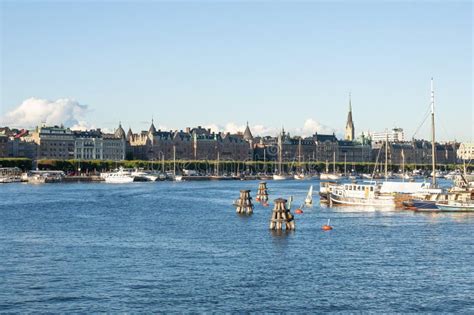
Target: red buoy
299	211
327	227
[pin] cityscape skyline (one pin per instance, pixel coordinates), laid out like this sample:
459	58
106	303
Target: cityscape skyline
220	65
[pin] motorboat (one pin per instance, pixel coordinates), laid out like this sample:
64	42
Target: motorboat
119	177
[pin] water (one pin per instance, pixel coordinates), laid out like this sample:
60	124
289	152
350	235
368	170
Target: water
160	247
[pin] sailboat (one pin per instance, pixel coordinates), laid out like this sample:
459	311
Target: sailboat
176	178
301	174
280	176
309	197
333	175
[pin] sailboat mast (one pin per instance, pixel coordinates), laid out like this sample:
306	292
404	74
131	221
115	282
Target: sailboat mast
280	156
345	164
433	148
217	165
163	162
174	161
334	162
386	154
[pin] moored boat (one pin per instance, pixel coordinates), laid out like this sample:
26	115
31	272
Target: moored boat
40	177
456	206
119	177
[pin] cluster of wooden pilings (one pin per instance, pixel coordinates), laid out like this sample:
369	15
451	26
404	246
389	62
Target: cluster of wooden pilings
244	204
262	192
281	214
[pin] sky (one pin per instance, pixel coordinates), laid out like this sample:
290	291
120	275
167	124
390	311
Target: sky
221	64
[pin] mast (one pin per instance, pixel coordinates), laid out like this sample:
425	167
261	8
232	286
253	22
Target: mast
345	164
386	155
279	155
403	161
217	165
299	154
174	161
433	148
265	160
163	162
334	162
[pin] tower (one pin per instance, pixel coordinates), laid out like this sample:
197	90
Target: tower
349	124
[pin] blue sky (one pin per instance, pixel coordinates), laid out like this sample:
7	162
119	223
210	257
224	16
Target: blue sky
272	64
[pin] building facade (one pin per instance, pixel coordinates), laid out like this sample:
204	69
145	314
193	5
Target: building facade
192	144
95	145
394	135
465	151
54	142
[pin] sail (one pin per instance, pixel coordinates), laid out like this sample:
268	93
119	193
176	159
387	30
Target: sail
309	196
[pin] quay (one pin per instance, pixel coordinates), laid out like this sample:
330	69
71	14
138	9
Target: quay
82	179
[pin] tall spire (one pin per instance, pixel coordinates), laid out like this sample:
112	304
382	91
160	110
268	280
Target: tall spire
350	133
350	103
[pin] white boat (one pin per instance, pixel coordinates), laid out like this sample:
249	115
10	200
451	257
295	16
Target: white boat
361	194
281	177
140	175
10	175
301	176
456	206
40	177
330	176
309	197
118	177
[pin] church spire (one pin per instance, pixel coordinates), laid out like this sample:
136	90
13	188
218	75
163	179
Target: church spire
350	123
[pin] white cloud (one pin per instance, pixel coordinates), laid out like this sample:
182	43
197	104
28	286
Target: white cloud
34	111
311	126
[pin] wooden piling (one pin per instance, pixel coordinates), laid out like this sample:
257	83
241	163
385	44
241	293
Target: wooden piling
281	215
262	192
244	204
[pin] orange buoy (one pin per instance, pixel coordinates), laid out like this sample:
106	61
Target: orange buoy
257	199
299	211
327	227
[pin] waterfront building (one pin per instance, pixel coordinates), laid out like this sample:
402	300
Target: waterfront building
192	144
95	145
88	145
465	151
414	152
54	142
394	135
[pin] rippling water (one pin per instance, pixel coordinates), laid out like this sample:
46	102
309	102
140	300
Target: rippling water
181	247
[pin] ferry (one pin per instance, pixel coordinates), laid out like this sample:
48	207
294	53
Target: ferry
379	194
360	194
